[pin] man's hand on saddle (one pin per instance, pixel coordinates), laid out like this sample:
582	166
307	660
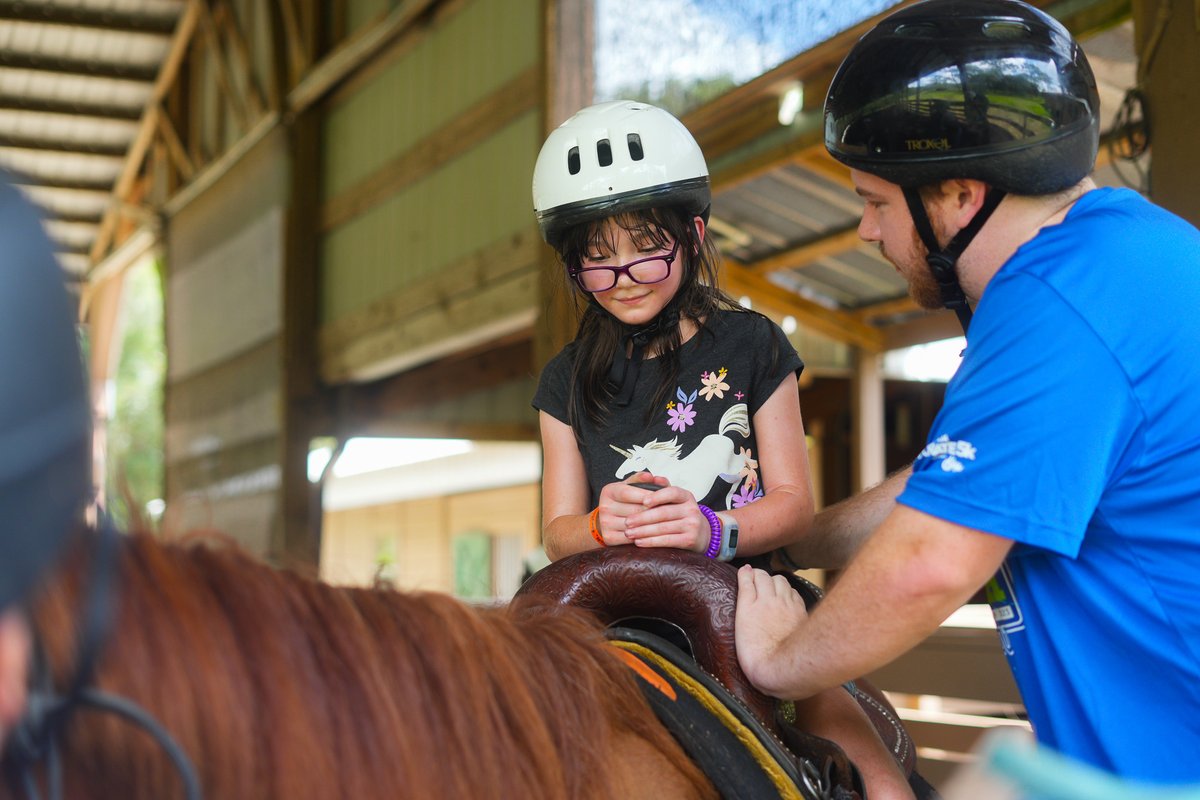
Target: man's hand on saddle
667	517
769	612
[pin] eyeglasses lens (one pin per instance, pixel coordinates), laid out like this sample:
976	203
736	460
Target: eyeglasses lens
601	279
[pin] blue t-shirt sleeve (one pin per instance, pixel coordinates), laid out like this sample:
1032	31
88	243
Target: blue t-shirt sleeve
1038	420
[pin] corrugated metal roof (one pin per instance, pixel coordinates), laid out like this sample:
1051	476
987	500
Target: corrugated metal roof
75	78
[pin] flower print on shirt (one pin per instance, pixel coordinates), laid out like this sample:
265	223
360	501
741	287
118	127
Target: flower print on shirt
680	417
746	495
749	468
714	384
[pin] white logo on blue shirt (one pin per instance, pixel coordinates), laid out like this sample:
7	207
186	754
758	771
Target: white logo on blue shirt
952	452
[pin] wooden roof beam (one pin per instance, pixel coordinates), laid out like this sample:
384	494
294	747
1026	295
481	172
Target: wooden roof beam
147	127
836	241
230	88
835	324
227	21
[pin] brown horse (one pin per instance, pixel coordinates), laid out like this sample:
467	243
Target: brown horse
281	687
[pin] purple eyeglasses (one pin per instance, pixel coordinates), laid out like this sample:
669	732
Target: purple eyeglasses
645	270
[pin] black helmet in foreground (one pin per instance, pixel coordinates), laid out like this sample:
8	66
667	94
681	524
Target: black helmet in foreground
45	416
994	90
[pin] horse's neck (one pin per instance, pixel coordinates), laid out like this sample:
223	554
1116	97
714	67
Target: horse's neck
278	687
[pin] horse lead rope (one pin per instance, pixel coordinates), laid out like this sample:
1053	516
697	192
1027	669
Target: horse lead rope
36	736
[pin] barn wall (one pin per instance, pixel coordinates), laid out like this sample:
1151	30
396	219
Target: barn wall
223	319
419	536
427	237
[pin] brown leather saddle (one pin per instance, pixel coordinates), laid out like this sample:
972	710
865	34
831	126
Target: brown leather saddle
688	600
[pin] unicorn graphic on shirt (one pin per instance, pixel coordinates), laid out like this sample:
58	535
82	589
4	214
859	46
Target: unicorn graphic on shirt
714	457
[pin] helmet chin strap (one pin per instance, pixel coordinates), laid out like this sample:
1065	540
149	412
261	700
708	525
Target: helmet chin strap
942	260
627	361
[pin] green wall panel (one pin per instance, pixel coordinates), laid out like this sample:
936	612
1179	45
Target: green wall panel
478	198
470	55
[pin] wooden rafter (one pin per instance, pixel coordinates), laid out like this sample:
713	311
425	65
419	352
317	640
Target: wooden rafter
146	127
887	308
355	53
818	160
839	325
837	241
175	149
297	53
230	88
227	21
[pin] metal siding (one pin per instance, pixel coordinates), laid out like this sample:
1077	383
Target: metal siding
223	317
479	198
474	200
455	67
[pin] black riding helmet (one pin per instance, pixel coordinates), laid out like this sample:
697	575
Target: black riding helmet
993	90
45	420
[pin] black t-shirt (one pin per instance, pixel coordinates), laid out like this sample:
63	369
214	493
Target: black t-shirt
703	440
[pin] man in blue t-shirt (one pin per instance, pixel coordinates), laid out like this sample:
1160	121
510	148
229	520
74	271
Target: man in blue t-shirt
1063	471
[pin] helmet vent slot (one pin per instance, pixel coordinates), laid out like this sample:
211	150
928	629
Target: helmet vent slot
635	147
573	161
917	30
1006	29
604	153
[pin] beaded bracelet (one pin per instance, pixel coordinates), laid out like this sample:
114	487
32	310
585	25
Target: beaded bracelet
714	542
594	528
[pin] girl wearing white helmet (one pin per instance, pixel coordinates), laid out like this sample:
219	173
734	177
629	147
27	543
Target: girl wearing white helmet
672	419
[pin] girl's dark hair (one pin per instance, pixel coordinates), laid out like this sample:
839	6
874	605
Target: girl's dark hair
600	335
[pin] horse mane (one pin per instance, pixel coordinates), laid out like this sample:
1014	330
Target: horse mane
282	687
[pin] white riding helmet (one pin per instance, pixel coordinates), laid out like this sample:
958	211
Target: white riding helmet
616	157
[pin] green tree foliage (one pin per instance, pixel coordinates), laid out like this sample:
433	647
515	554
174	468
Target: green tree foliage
679	95
135	426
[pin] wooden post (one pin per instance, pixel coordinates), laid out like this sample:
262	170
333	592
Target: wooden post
867	458
1167	33
568	41
305	407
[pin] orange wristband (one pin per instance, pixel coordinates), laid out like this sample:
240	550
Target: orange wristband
593	528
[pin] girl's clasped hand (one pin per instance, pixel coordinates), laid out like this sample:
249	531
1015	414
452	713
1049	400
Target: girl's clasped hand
663	516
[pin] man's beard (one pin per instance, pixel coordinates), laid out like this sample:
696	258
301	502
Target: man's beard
922	287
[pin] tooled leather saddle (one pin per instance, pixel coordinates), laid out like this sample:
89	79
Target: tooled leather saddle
673	611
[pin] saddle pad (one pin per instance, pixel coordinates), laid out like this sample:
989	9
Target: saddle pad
739	756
